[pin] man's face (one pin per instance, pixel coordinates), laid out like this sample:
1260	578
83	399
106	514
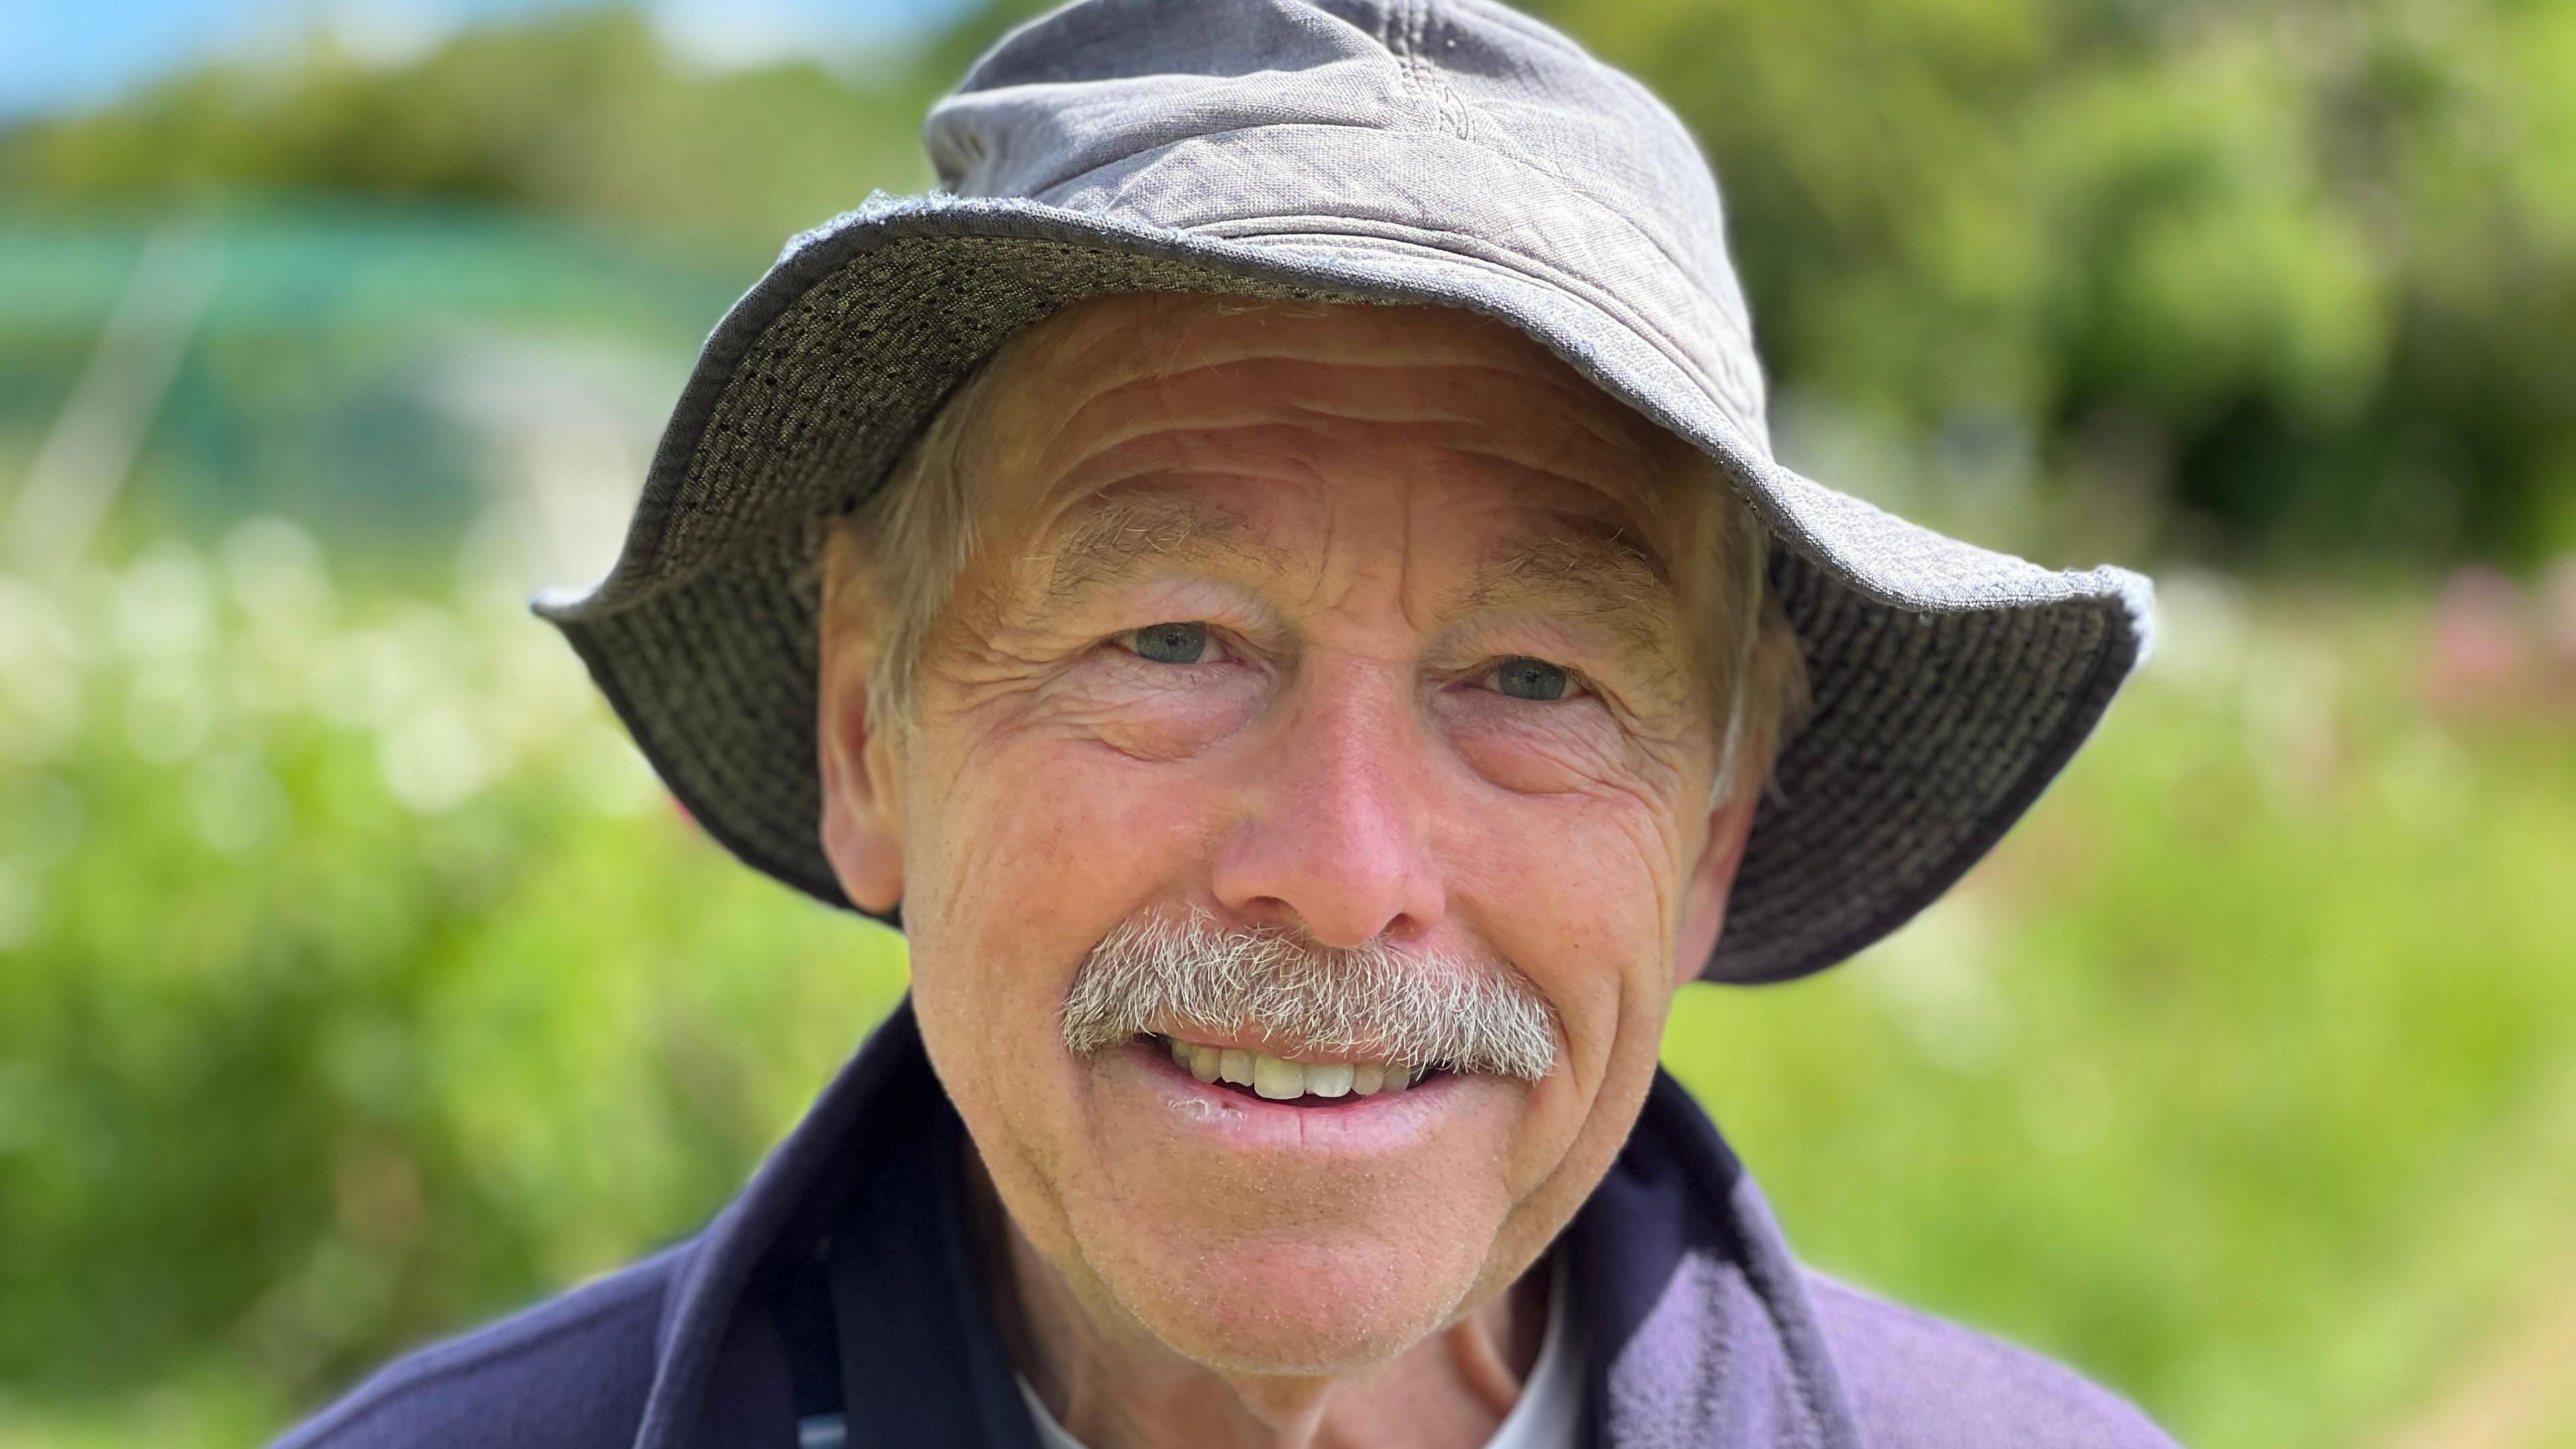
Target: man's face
1434	684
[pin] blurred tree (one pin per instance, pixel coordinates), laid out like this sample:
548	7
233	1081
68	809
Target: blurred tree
2301	277
355	979
584	113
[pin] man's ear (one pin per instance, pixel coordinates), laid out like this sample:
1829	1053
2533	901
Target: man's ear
1712	879
862	824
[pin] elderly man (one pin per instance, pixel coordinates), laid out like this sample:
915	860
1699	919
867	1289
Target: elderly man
1276	573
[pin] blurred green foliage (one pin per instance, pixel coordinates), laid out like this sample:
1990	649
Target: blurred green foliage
582	114
2265	278
358	980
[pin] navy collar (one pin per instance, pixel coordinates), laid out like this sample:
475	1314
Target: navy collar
1699	1324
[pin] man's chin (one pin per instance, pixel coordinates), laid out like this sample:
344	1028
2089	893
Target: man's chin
1274	1310
1255	1237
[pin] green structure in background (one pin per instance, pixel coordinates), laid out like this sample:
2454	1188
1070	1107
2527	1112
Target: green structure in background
363	366
356	982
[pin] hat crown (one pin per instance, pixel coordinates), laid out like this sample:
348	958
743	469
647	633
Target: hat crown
1452	126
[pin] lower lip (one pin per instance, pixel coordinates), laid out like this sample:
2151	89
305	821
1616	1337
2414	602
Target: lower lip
1381	1119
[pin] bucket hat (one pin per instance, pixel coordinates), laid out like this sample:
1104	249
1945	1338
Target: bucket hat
1448	152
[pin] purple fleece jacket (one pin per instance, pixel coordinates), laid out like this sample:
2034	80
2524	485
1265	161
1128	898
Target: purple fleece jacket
1704	1331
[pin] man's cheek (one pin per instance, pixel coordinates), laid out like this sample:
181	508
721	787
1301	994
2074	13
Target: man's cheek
1146	719
1042	848
1569	902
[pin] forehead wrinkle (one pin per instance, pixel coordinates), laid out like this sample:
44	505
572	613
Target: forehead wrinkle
1342	390
1107	343
1113	537
1295	446
1176	450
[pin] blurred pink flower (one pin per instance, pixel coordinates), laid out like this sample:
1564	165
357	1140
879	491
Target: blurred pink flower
2557	602
2479	650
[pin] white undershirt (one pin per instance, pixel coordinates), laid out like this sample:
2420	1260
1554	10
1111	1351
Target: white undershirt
1548	1414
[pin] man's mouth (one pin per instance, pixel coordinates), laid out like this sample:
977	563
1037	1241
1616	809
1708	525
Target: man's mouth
1279	1079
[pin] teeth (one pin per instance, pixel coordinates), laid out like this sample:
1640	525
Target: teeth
1277	1080
1281	1080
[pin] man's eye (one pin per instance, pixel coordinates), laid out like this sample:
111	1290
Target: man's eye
1526	678
1171	643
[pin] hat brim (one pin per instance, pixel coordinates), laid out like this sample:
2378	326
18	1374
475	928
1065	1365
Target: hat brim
1950	683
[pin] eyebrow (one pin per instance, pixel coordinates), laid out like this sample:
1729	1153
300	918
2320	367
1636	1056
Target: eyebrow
1114	539
1600	576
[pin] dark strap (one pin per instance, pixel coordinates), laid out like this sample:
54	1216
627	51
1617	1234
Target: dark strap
888	1342
804	1303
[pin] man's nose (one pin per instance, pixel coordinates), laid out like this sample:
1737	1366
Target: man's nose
1338	839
